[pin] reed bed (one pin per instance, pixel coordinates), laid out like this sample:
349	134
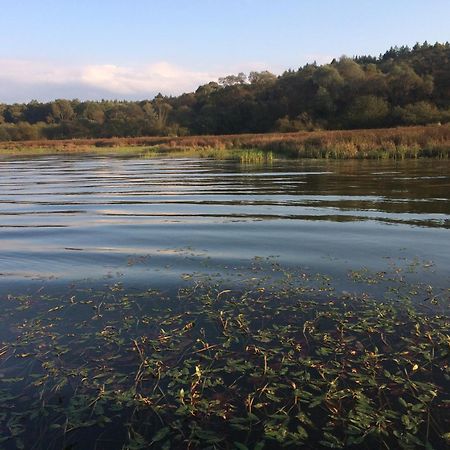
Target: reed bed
395	143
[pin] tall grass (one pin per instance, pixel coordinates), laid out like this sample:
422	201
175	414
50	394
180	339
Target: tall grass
245	156
255	156
397	143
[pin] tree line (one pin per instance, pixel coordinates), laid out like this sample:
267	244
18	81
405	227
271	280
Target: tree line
403	86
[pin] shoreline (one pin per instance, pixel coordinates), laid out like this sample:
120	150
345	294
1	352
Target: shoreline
388	143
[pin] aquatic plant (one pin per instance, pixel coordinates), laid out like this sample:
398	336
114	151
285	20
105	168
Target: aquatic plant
276	361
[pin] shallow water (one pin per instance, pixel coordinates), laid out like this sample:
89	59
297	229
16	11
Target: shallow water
65	218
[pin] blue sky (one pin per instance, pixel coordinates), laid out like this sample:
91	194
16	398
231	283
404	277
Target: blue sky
134	49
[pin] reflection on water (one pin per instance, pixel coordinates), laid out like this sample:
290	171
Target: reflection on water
76	217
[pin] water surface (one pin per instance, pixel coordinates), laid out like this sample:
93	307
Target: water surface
68	218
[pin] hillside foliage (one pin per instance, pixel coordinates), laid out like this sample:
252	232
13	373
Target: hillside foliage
403	86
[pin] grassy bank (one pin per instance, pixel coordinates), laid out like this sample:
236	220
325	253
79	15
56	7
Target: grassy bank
397	143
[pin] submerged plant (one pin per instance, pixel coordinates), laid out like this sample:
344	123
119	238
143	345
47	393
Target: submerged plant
274	362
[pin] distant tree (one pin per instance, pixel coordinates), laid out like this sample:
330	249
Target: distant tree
4	134
13	113
162	108
366	112
149	110
405	86
231	80
328	77
262	78
26	132
350	70
61	110
207	89
94	112
302	122
183	116
35	111
419	113
324	102
374	83
284	125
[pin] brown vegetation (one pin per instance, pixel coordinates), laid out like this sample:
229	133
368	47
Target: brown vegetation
404	142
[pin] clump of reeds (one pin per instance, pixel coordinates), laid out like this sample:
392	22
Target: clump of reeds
255	156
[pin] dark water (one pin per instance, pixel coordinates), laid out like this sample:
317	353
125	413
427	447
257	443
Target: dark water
135	220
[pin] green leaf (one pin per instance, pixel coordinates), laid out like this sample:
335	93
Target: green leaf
161	434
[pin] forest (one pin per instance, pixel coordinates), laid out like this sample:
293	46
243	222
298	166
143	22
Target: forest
403	86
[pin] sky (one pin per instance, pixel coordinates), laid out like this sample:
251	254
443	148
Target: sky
117	49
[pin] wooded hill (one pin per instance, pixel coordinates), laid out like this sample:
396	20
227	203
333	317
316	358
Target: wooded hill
403	86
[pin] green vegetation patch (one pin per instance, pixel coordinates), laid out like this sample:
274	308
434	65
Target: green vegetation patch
270	364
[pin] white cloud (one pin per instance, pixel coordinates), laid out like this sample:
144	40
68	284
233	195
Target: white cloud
113	81
24	80
32	72
160	76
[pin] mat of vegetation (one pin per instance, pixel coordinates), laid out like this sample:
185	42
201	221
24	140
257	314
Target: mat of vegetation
280	361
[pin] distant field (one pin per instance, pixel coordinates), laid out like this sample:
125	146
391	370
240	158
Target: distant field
399	143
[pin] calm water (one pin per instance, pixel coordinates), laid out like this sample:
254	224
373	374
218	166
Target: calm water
134	220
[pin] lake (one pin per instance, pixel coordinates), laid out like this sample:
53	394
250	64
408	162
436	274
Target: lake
69	218
106	262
